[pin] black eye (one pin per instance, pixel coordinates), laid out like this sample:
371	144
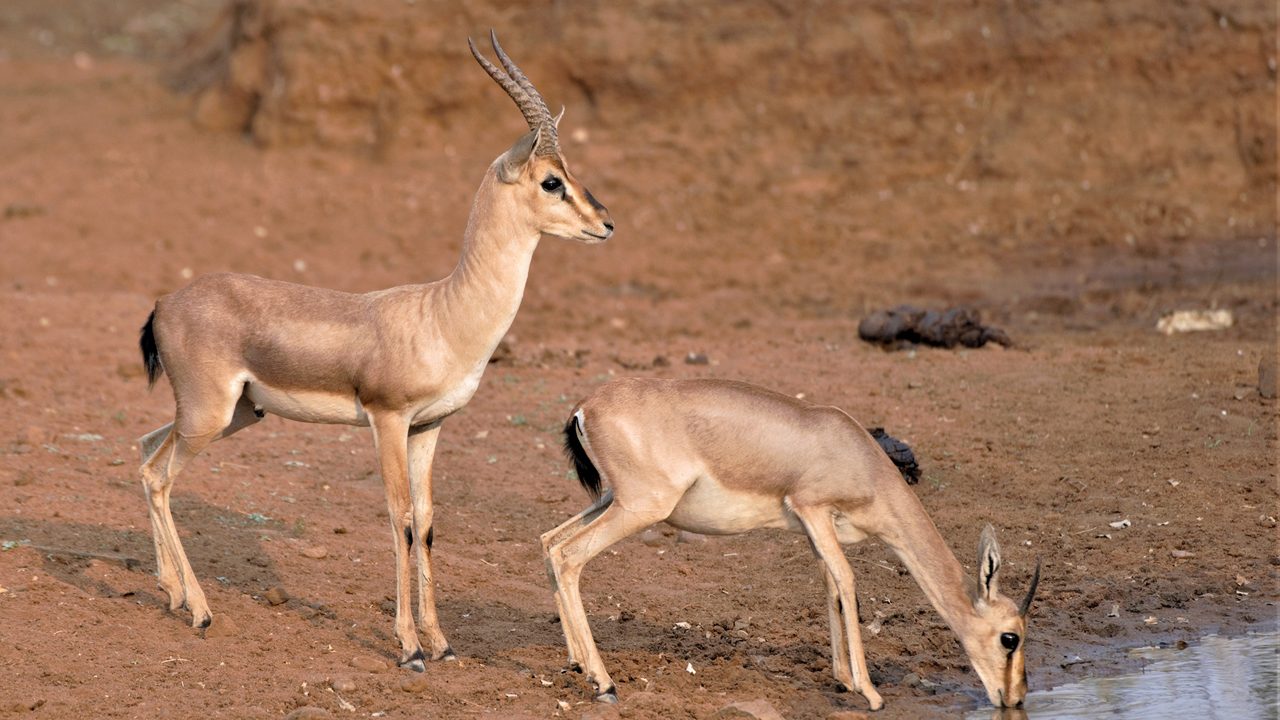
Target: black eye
551	184
1009	641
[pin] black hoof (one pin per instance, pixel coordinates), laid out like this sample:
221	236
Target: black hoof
448	655
575	667
206	622
416	662
609	697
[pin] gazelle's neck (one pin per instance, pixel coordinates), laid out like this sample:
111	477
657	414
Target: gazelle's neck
921	548
483	293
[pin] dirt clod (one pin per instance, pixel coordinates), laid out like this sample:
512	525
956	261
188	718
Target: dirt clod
315	552
1267	377
276	596
749	710
221	626
369	664
308	712
24	706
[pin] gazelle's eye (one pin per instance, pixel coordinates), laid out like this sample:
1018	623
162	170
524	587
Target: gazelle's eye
1009	641
551	184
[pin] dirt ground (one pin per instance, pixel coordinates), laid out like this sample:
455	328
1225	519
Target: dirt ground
776	171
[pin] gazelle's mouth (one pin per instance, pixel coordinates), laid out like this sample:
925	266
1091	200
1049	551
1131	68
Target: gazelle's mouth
594	235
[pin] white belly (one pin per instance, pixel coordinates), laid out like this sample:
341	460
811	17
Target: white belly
709	508
308	405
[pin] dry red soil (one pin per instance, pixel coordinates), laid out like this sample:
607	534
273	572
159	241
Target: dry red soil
776	171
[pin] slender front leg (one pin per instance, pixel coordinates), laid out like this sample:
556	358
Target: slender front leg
820	527
390	437
422	450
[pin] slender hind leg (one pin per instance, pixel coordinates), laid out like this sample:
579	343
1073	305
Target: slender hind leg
550	538
422	450
840	664
157	475
166	563
567	558
165	452
820	527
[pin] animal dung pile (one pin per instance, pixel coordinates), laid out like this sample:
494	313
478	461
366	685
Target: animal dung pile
905	326
900	453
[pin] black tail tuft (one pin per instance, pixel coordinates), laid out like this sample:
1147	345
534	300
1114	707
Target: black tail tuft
150	356
900	453
588	475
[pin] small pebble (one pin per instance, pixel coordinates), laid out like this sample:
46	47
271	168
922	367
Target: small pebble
1181	554
696	358
276	596
315	552
343	684
415	683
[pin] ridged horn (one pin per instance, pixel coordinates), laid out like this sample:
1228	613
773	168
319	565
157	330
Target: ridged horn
522	91
1031	591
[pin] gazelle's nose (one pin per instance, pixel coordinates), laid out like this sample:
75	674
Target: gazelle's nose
608	225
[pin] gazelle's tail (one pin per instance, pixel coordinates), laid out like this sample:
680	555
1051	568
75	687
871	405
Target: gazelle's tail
588	475
150	355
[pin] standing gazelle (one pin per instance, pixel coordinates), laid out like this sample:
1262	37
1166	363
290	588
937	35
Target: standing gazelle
719	457
400	360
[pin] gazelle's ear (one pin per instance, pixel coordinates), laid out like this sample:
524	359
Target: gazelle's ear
988	564
518	156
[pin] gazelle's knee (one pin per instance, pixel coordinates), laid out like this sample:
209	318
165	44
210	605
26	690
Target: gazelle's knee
560	566
154	479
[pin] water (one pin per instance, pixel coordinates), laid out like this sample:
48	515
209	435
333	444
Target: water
1217	678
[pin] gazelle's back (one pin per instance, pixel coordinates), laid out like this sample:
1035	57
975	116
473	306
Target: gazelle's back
738	437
